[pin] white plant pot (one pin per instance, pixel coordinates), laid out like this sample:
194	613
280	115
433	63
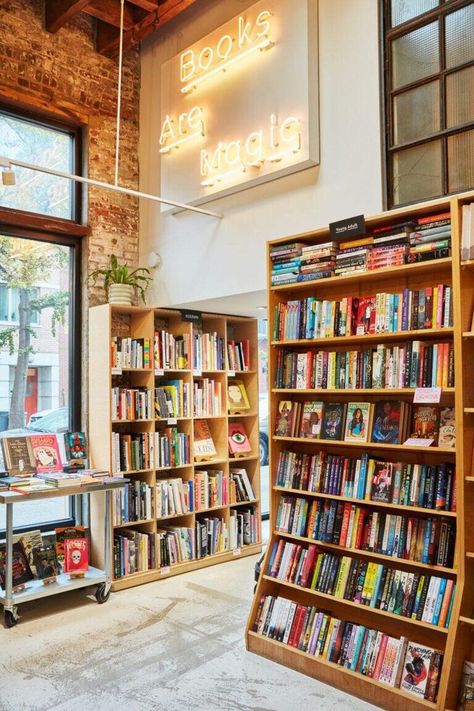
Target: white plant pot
121	294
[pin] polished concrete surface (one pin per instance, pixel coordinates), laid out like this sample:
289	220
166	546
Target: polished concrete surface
171	645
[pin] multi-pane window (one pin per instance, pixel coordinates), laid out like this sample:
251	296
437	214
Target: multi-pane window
9	303
429	98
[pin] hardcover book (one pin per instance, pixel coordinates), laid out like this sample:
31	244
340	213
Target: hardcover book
333	420
365	320
46	453
312	419
29	541
203	442
238	398
415	669
76	555
286	418
21	571
381	488
238	440
447	428
18	456
388	421
358	421
425	422
46	561
75	445
62	534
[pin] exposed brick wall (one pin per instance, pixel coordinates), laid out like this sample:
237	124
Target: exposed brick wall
64	67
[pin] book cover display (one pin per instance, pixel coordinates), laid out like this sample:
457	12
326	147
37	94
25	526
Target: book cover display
415	670
388	421
76	555
238	398
75	444
203	443
287	417
333	420
238	440
46	561
358	420
46	453
21	571
425	422
18	456
447	428
311	419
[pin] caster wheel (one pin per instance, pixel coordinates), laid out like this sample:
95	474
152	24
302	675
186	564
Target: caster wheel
10	618
100	595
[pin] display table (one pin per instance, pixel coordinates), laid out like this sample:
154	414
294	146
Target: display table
35	589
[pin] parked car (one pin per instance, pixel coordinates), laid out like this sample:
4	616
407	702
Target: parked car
263	407
38	415
56	421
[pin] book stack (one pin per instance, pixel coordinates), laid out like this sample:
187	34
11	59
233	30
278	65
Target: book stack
133	502
383	312
424	540
134	552
132	451
130	353
238	355
211	488
286	262
207	397
428	486
172	448
172	399
208	351
393	661
212	536
243	527
171	352
427	598
430	238
176	545
132	403
174	497
352	257
240	486
389	246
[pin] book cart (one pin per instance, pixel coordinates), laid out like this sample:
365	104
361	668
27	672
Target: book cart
456	641
107	321
35	589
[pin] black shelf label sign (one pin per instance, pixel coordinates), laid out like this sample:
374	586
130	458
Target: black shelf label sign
191	316
351	227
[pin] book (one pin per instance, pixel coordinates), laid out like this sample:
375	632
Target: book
237	396
76	555
76	454
21	571
358	421
287	417
18	456
466	687
425	422
311	419
203	442
365	320
65	533
29	541
46	561
388	421
333	420
46	453
415	669
381	487
238	440
447	428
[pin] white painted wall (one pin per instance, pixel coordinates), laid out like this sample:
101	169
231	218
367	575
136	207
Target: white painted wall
204	258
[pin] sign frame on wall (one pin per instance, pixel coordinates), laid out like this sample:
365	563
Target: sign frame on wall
240	107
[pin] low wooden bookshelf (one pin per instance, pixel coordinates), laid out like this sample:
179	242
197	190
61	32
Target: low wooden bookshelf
457	640
108	321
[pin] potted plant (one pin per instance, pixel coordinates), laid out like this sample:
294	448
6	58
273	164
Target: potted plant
121	283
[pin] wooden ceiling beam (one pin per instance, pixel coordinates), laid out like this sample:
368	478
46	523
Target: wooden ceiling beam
109	11
108	42
58	12
149	5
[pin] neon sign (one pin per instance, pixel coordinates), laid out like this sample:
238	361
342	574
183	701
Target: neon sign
188	126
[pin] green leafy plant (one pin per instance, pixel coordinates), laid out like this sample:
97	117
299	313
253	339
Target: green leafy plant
138	278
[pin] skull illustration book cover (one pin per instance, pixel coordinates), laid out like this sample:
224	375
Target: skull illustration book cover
76	555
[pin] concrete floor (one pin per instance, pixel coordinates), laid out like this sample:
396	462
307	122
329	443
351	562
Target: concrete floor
171	645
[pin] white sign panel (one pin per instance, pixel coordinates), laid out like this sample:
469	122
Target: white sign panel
240	107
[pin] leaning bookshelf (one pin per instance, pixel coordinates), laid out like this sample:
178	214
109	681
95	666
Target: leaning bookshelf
165	398
367	582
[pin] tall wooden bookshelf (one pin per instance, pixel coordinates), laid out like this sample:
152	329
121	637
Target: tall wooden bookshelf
457	641
107	321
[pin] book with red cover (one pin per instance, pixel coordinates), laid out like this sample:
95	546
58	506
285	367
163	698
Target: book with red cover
46	453
365	319
425	422
76	555
238	440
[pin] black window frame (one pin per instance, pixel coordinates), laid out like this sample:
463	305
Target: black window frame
387	35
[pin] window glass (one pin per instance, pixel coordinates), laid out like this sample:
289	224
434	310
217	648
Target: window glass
404	10
460	97
460	36
417	172
44	146
461	161
416	113
34	393
415	55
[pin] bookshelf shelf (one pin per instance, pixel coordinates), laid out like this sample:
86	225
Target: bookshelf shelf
466	621
406	270
368	445
118	322
355	605
243	503
423	334
366	502
421	275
